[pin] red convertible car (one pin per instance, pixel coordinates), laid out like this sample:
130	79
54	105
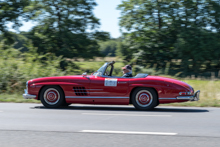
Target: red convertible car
143	91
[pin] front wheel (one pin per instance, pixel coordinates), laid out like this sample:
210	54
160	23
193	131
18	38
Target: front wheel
144	98
52	96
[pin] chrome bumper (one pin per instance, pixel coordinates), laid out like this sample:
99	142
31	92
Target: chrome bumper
28	96
195	97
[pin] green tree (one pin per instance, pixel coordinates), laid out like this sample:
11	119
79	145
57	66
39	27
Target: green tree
146	33
13	11
158	31
109	47
67	28
18	39
198	38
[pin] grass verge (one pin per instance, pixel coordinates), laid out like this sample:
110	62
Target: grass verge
16	98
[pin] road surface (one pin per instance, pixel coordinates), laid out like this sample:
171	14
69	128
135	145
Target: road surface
33	125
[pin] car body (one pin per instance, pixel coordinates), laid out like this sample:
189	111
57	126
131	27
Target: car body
143	91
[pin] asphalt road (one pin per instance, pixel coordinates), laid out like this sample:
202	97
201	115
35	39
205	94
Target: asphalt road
32	125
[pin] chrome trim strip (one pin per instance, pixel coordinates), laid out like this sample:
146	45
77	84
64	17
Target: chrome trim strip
93	89
194	97
178	98
167	98
98	92
92	92
184	97
28	96
95	97
90	89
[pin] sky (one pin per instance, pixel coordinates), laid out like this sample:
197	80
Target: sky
107	13
109	16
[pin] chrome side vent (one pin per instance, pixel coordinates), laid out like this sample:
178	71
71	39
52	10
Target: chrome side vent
80	91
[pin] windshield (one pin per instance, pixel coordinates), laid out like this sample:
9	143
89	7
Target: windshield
100	70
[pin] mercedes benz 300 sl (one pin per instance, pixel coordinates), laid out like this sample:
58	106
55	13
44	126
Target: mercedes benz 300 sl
143	91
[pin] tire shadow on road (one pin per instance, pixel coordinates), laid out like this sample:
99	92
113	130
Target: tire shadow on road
126	108
179	110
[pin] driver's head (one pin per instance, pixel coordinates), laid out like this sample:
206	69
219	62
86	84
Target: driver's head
127	69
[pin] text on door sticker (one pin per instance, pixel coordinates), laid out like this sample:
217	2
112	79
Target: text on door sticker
111	82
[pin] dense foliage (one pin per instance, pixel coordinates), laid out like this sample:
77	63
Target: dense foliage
157	32
10	12
17	67
180	37
110	47
64	27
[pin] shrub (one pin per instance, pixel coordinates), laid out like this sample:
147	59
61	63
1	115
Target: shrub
17	67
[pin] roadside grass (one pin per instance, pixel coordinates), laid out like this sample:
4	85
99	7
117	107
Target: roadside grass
16	98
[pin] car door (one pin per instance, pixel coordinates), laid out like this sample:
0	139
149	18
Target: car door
106	90
107	86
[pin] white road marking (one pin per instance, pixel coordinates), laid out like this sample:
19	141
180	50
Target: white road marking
125	114
127	132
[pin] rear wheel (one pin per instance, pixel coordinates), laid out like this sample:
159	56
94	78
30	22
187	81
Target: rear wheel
144	98
52	96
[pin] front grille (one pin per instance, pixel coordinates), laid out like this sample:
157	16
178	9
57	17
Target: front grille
79	91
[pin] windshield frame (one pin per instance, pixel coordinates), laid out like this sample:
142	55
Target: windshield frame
100	72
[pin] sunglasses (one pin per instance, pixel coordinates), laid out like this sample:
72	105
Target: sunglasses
123	69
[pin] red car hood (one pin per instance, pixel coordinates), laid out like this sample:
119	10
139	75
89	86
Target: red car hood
58	79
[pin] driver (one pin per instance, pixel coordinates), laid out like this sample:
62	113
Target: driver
127	71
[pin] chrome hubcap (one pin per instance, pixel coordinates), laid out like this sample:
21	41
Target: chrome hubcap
51	96
144	98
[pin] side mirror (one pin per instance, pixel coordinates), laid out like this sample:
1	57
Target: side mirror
84	74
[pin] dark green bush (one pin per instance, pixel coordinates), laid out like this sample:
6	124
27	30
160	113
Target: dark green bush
17	67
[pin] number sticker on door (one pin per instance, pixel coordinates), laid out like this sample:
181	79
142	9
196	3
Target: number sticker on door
111	82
